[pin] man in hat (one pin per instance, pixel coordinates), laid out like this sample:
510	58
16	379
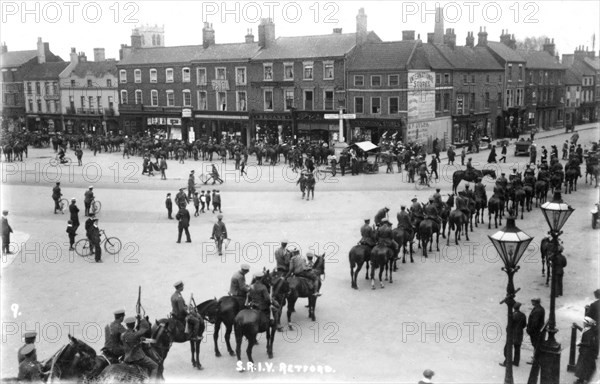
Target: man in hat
191	186
299	267
437	198
544	156
593	310
503	153
427	376
310	186
196	204
367	234
501	181
560	262
404	221
132	343
565	150
529	170
535	323
56	194
219	233
71	233
207	198
469	165
416	211
384	236
238	289
183	218
181	313
29	340
588	352
282	257
6	231
88	198
169	206
181	198
29	368
431	211
258	295
216	199
380	215
468	192
518	324
113	345
89	223
433	165
163	168
74	211
95	241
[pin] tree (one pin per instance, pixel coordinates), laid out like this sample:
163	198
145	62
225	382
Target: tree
532	43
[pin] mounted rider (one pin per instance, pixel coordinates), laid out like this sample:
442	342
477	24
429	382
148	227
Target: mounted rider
501	181
367	234
514	176
437	199
134	353
480	189
529	171
180	311
238	289
380	215
470	170
404	221
384	236
468	193
416	212
299	267
431	212
282	257
258	295
113	346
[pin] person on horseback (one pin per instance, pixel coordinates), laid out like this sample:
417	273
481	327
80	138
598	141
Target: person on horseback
134	354
514	175
238	289
113	346
29	340
501	181
367	234
404	220
480	189
529	170
29	369
258	295
431	212
437	198
416	211
384	236
380	215
468	193
180	311
469	166
282	257
299	267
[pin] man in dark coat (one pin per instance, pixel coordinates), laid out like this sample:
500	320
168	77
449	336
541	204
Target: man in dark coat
113	345
95	241
132	342
588	352
560	262
6	231
503	152
56	194
536	322
518	324
88	198
183	216
74	211
219	233
593	310
367	234
169	205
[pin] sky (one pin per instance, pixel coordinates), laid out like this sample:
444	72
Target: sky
85	25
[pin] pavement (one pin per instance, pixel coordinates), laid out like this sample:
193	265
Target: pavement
441	312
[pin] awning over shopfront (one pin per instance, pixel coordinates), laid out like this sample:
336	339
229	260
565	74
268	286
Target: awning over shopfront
366	146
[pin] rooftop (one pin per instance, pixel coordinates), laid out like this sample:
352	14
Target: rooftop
540	60
384	56
16	58
505	52
476	58
95	68
46	71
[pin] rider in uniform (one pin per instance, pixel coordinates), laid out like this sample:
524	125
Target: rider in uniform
467	192
529	171
514	175
384	236
282	257
299	267
238	288
404	220
367	234
181	313
480	189
431	212
380	215
29	340
437	198
29	368
501	181
416	211
113	346
133	349
258	295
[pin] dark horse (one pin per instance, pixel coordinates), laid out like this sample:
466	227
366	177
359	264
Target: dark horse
458	176
383	258
302	287
495	206
457	220
427	228
175	330
404	239
359	254
217	312
547	249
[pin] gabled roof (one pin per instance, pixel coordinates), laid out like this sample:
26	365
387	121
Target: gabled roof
540	60
435	59
504	52
46	71
583	68
161	55
392	55
594	63
227	52
467	58
572	77
309	47
16	58
96	68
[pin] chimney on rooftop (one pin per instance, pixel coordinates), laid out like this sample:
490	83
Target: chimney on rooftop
4	48
208	35
450	38
430	37
512	42
136	39
505	38
438	30
266	33
249	36
482	37
99	54
337	31
74	57
549	47
470	42
361	27
408	35
41	52
82	57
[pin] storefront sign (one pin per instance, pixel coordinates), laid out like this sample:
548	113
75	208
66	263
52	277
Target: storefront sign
175	121
220	85
421	95
186	112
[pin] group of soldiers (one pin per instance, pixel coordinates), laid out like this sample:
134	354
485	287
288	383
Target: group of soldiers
290	262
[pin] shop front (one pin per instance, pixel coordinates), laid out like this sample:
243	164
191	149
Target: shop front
273	128
220	127
375	130
470	127
47	123
515	121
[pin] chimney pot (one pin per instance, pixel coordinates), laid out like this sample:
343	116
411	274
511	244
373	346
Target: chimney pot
361	27
41	52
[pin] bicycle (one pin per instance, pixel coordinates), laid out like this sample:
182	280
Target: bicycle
204	178
112	245
95	206
419	185
63	203
322	172
65	161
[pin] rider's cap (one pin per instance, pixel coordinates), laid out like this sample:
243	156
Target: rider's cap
414	199
178	283
431	199
27	349
259	274
367	220
536	300
90	187
180	189
403	207
503	173
219	217
168	194
130	320
310	255
245	267
58	183
437	189
514	169
30	335
119	312
73	199
192	171
386	208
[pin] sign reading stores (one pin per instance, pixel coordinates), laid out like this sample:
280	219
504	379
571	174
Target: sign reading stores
421	95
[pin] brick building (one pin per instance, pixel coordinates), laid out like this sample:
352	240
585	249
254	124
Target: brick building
43	109
586	67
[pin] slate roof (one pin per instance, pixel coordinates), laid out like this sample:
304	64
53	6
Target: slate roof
46	71
540	60
16	58
476	58
96	68
594	63
383	56
505	52
583	68
435	59
308	47
161	55
572	77
227	52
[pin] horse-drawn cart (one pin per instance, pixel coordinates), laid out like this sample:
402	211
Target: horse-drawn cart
366	153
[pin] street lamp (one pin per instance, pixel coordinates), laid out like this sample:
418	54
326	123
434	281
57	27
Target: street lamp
511	243
556	213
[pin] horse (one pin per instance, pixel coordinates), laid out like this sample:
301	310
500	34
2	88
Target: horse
547	249
175	330
495	206
301	287
518	198
358	255
593	169
70	363
471	176
219	312
541	192
556	180
480	204
404	238
427	228
383	258
249	323
456	221
571	176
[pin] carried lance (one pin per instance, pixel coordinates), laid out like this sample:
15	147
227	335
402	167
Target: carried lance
138	306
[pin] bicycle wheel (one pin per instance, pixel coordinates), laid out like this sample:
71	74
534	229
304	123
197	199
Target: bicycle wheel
96	206
112	245
203	178
67	161
63	203
82	248
418	185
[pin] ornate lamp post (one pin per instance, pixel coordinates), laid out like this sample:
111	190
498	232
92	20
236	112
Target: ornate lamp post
556	213
511	243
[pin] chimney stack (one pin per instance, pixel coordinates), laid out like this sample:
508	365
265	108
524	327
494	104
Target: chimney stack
4	47
361	27
74	57
266	33
408	35
549	47
337	31
82	57
41	53
512	42
249	36
99	54
505	38
450	38
482	37
208	35
438	31
470	40
136	39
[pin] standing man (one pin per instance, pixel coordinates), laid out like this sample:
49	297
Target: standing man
74	211
593	310
79	154
88	198
588	352
333	163
518	324
238	289
433	165
535	323
95	241
191	186
561	263
183	217
132	342
181	313
343	162
503	153
310	186
56	194
202	201
219	233
163	168
29	340
196	204
216	201
6	231
207	199
113	344
181	198
451	155
169	206
89	224
282	257
72	234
